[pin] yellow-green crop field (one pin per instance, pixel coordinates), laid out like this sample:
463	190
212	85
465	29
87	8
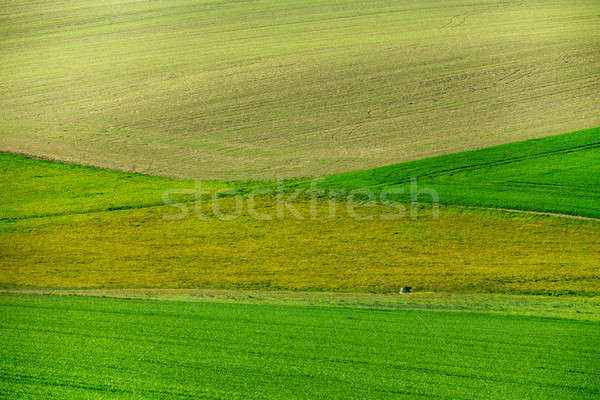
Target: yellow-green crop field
464	251
208	89
65	226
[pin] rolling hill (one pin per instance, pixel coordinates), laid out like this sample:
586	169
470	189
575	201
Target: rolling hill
267	88
69	226
559	174
333	199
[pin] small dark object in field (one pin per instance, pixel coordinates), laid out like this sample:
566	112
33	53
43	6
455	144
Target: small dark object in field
405	289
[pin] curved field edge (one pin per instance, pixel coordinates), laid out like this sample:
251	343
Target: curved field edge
75	347
252	89
68	226
557	174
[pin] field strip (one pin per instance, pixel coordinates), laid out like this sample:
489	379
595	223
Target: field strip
83	347
95	211
42	157
568	307
541	213
499	162
161	204
585	147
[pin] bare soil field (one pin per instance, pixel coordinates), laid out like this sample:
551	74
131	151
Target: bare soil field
259	90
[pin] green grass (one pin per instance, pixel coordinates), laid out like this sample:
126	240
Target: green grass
263	89
558	174
69	226
237	93
37	188
82	347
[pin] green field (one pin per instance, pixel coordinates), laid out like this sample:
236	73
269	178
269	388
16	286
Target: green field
285	199
70	226
78	347
583	308
559	174
209	89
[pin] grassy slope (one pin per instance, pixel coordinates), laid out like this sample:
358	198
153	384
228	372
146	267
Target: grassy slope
253	89
557	174
201	350
466	250
35	188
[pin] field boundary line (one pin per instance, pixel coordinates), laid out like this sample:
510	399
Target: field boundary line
156	205
506	161
532	212
93	211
